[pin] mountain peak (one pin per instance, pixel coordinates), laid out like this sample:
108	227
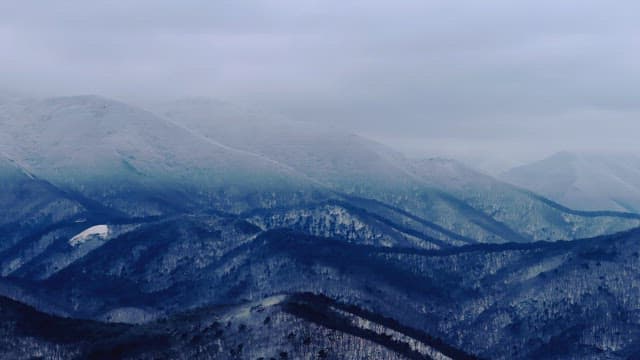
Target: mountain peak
583	180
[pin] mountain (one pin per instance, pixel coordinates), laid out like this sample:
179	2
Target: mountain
442	192
132	161
210	156
210	231
584	181
280	327
31	205
552	300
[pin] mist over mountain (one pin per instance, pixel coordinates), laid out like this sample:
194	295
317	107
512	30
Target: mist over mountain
113	214
588	181
460	199
319	180
118	152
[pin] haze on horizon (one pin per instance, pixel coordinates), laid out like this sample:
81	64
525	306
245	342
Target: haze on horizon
497	80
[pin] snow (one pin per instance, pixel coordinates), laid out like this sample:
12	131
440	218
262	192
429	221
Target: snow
244	311
272	300
107	134
325	154
584	181
100	231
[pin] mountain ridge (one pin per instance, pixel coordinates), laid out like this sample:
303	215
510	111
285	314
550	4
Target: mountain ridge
584	180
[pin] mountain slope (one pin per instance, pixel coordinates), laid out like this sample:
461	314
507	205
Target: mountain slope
442	192
30	206
135	162
349	249
533	216
584	181
138	164
564	300
285	327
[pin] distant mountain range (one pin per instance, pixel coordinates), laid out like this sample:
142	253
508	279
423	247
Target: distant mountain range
220	232
584	181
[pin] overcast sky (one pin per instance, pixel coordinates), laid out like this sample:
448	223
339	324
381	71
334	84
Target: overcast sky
500	79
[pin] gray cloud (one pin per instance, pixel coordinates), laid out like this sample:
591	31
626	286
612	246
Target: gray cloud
526	77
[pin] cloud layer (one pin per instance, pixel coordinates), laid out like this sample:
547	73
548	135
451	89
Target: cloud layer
524	78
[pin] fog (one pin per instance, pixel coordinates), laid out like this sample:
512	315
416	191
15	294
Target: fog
498	82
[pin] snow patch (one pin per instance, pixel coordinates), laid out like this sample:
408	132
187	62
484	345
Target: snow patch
273	300
128	315
100	231
244	311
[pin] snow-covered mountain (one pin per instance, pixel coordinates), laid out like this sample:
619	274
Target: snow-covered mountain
584	181
503	301
277	327
113	152
443	192
332	156
200	155
282	238
29	205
